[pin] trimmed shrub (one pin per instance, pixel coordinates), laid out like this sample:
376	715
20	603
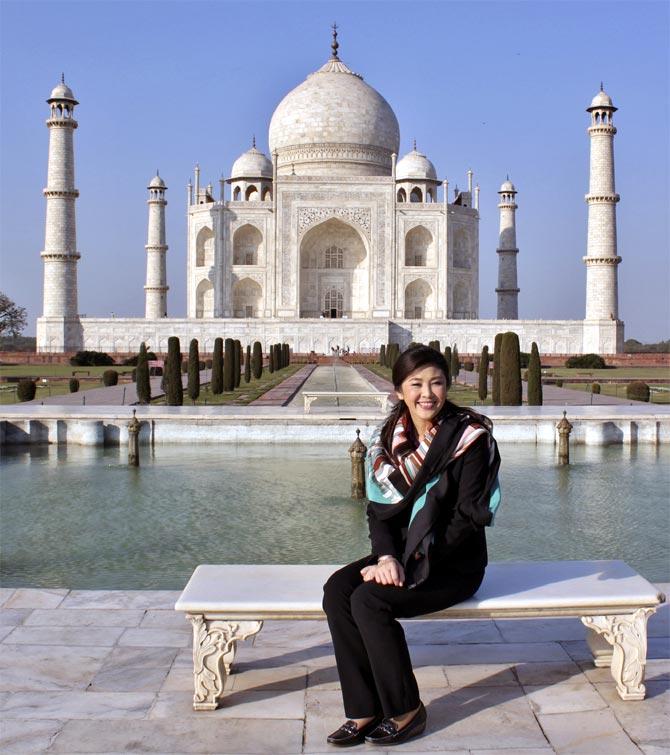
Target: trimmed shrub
590	361
595	387
26	390
559	383
217	367
469	366
229	365
524	359
637	391
434	345
393	354
201	364
382	355
142	382
271	359
510	370
91	359
257	360
110	377
483	388
133	375
184	368
495	380
287	355
208	364
455	363
247	365
447	357
174	391
534	388
193	385
237	362
73	385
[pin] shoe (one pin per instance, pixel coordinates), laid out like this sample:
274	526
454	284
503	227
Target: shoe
387	733
349	734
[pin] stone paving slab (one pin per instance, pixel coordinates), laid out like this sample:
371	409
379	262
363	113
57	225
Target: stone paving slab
282	394
489	686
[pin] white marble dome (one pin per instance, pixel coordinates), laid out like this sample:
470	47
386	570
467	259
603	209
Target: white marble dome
334	123
156	182
251	164
602	99
415	165
506	186
62	92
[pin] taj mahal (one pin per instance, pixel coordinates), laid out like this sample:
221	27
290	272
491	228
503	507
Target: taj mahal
332	239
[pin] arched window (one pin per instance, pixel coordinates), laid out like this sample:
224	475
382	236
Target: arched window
334	302
247	298
402	195
204	299
416	195
252	194
419	247
236	194
247	242
334	257
418	299
267	195
204	247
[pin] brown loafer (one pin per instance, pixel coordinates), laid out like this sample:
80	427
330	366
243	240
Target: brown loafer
349	734
387	733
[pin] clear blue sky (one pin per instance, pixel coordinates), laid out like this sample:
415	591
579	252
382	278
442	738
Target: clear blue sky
497	86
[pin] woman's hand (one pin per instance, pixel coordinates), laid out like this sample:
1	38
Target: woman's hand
388	572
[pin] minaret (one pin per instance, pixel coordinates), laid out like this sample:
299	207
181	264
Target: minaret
156	288
508	292
602	297
60	253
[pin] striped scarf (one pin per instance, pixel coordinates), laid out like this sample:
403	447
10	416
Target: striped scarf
394	473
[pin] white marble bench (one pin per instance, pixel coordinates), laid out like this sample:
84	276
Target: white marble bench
310	396
228	603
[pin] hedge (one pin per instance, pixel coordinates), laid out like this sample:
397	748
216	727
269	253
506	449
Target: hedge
590	361
110	377
73	385
26	390
637	391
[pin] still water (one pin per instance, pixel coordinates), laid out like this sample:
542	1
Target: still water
81	518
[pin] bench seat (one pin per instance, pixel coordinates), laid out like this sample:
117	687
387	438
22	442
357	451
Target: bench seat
228	603
309	397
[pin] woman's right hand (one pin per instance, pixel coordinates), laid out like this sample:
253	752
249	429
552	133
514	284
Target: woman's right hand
388	572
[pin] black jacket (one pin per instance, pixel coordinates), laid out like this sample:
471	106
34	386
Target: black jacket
448	533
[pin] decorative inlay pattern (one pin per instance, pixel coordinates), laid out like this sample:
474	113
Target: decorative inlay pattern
64	193
601	198
309	216
602	260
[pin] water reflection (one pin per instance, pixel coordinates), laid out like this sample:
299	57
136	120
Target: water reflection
82	518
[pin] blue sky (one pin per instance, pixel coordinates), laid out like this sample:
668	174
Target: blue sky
501	87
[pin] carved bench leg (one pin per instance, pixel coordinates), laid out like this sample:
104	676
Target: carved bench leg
601	650
214	644
627	634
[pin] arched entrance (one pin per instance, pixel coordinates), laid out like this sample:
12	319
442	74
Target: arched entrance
418	299
334	272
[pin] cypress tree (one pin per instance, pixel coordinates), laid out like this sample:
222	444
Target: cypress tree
455	363
174	394
247	365
143	384
510	370
382	355
395	353
229	365
193	385
484	374
278	362
271	359
237	359
217	367
495	381
447	358
287	355
257	364
534	377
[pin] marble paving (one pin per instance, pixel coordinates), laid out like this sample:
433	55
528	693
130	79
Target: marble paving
110	672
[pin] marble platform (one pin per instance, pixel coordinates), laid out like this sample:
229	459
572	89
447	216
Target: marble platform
110	672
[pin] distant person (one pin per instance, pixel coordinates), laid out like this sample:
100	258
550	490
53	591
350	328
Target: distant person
431	482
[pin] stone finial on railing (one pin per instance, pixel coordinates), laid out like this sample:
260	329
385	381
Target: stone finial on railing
564	428
357	451
133	441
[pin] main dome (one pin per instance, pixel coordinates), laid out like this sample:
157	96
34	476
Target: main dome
334	124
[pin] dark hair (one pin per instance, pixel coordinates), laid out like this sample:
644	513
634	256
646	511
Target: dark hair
414	358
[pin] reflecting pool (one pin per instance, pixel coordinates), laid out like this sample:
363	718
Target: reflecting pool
81	518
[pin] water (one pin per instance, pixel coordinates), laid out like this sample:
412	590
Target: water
81	518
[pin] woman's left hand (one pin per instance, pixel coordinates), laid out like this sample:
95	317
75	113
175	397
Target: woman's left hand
388	572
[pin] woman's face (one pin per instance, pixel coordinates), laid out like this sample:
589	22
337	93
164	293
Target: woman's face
424	391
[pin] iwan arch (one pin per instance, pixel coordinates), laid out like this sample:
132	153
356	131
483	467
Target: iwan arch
331	241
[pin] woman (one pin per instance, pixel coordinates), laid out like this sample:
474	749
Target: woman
431	483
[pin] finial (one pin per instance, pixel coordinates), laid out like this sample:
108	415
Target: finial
253	141
62	78
601	87
507	179
414	144
334	45
157	174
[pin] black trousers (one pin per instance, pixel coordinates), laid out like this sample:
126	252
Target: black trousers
371	652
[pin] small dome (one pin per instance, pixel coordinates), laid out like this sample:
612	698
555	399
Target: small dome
62	92
252	164
156	182
602	99
507	186
415	165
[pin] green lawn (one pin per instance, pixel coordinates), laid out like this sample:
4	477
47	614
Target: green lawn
637	373
619	390
245	394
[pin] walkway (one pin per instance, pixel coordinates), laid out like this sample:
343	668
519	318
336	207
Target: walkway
110	672
336	377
